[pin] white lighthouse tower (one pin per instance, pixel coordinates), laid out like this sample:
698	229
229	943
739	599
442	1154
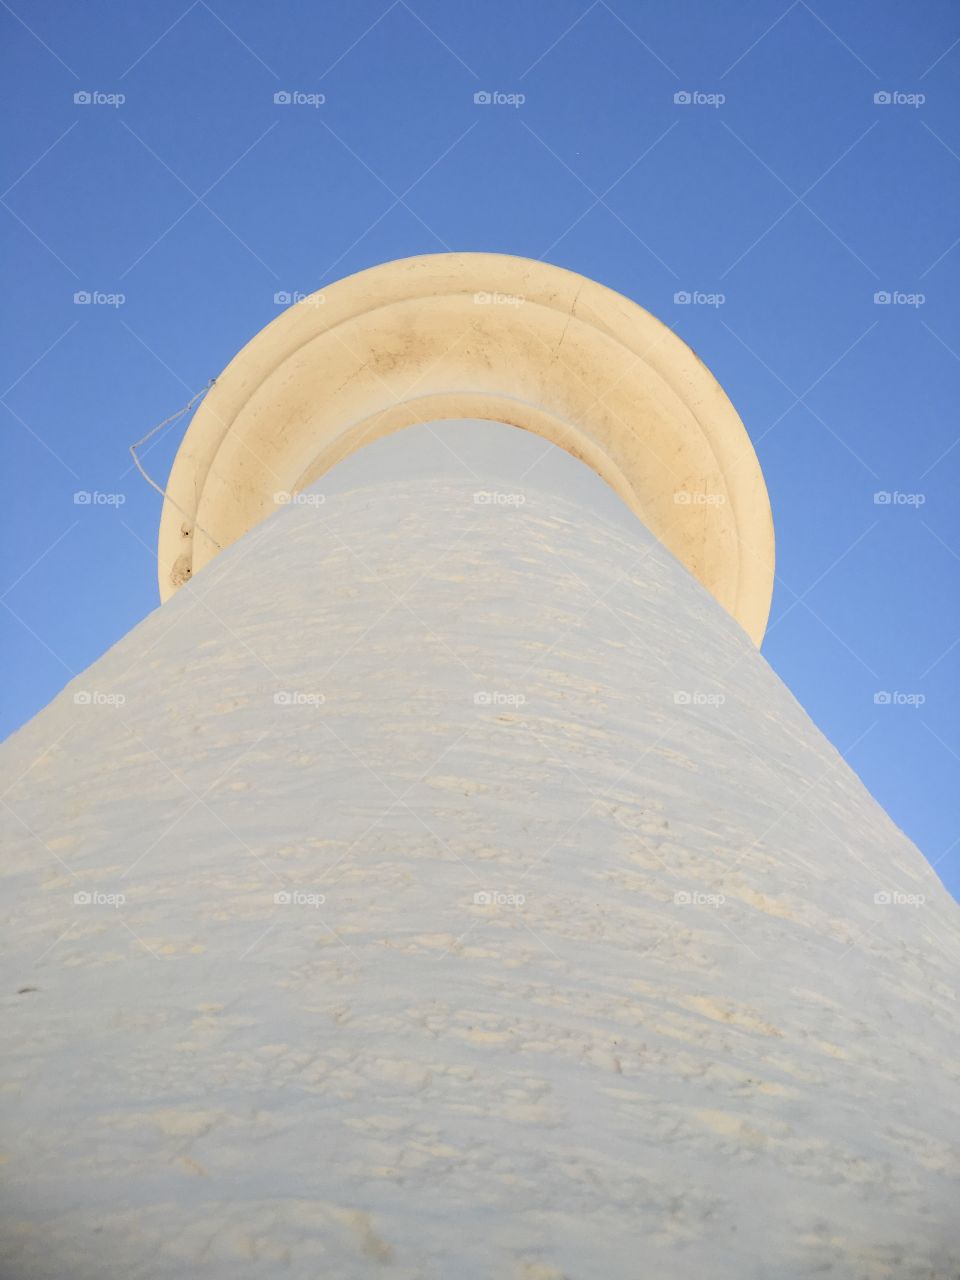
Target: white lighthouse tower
440	883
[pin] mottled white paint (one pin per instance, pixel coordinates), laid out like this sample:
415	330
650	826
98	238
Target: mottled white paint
603	1081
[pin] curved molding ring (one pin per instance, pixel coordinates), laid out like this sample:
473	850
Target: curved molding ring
478	335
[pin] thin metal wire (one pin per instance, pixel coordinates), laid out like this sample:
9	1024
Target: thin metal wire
152	483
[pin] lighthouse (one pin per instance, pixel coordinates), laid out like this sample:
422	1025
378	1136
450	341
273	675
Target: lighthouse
440	882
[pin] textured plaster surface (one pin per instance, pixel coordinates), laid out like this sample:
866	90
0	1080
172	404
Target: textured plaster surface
681	1039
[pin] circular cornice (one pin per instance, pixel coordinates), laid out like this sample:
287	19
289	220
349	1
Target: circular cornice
478	335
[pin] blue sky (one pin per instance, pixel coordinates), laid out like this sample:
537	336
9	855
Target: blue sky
781	187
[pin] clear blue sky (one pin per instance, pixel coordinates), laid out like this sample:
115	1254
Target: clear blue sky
798	198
